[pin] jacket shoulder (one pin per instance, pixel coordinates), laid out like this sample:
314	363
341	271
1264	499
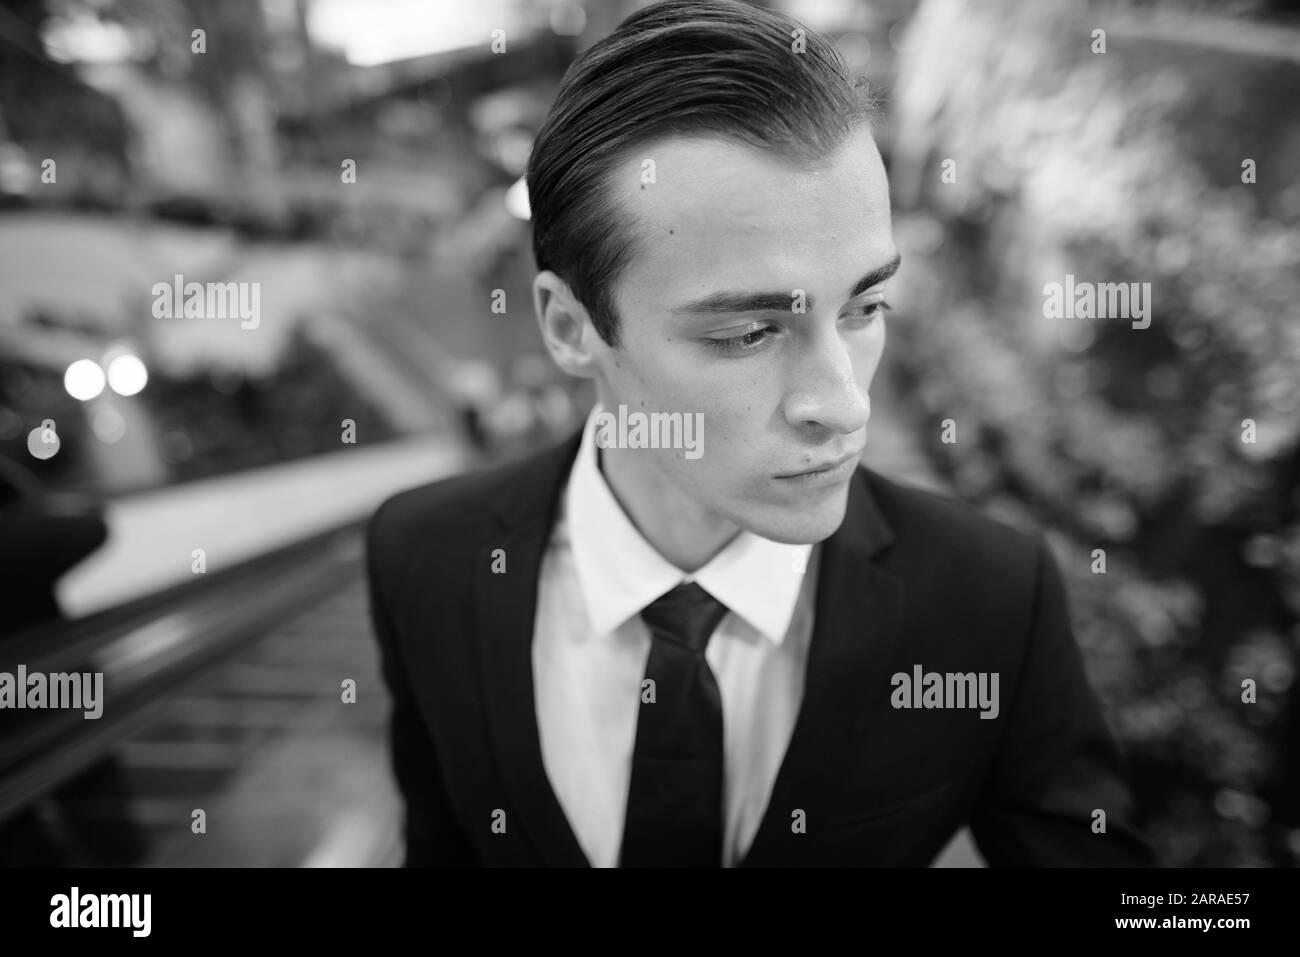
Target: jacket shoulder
438	519
974	582
444	504
945	534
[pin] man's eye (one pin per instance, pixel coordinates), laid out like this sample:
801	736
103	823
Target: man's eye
872	310
742	344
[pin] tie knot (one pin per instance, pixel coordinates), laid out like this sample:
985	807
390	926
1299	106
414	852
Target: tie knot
686	616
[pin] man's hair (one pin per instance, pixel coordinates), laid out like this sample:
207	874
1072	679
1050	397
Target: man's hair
717	68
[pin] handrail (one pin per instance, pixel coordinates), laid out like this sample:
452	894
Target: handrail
150	648
54	646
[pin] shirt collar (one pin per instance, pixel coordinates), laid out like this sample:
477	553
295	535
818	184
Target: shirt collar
620	573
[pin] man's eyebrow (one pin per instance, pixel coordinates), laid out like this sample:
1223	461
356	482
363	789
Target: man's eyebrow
874	278
719	303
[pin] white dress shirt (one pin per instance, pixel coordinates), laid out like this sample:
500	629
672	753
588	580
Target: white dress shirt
590	648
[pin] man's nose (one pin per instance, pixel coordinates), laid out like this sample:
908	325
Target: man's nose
825	391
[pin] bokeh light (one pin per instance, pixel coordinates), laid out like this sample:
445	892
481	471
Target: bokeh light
84	380
127	374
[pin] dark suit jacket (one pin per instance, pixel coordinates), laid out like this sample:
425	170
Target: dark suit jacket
909	578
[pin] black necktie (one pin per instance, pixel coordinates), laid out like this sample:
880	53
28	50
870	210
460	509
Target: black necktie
674	801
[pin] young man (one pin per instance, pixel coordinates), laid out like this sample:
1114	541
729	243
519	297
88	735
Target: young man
698	632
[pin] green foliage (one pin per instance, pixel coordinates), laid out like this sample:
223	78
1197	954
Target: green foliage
1124	167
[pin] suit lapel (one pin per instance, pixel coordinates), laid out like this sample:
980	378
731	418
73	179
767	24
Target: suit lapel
506	604
857	623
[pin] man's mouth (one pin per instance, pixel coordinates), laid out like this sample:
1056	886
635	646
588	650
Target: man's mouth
829	469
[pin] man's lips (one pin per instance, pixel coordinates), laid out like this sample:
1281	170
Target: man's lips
825	466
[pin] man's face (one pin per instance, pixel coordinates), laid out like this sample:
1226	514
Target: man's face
781	384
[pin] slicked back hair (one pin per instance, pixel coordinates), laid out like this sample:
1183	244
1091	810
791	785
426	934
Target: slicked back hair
722	69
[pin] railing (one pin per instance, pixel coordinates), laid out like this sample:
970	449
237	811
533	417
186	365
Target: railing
149	648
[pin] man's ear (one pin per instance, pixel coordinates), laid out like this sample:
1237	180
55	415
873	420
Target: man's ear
566	326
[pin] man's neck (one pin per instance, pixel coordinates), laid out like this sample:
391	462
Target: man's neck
677	529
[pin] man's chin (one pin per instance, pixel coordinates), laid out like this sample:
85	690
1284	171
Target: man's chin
805	526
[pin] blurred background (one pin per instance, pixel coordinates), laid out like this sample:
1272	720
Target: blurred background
181	498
